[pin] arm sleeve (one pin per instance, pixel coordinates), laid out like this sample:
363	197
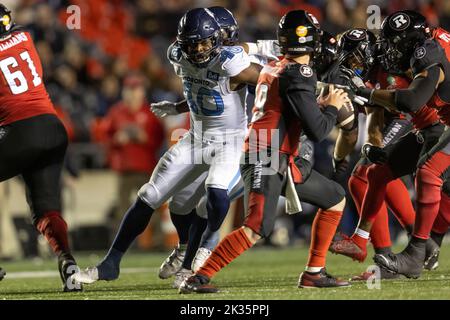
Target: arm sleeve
300	96
419	91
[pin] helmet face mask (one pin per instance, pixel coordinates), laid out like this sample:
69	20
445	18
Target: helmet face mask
357	51
200	52
199	37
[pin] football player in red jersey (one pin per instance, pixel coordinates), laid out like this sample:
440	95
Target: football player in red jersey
411	48
285	105
33	140
357	50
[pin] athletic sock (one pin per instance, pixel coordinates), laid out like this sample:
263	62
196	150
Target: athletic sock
385	250
322	233
133	224
360	238
442	222
196	230
399	201
53	227
231	247
182	223
378	177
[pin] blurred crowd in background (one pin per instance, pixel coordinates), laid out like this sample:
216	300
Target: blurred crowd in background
103	76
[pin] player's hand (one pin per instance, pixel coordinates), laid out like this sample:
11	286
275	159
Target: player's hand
375	154
336	97
163	108
352	80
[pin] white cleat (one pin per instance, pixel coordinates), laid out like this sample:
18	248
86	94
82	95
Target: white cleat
200	257
88	276
172	264
180	276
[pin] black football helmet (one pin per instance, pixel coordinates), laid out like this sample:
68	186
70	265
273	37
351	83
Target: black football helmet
401	33
326	54
356	50
298	33
199	36
5	20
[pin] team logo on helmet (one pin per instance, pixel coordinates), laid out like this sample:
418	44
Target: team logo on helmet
301	31
306	71
356	34
400	22
420	52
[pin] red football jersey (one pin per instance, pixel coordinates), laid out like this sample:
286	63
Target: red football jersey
22	91
443	37
274	117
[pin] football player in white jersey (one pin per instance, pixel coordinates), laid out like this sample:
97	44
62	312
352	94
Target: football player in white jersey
192	224
214	79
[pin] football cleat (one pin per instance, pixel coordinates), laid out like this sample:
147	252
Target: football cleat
431	255
172	264
384	275
320	280
349	248
200	257
68	267
2	274
88	276
197	284
180	276
408	263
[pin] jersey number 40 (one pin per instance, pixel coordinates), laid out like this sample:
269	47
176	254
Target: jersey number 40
16	80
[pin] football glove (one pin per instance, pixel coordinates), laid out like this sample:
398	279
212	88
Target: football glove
374	154
163	109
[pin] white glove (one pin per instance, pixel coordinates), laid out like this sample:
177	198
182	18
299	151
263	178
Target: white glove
163	108
269	49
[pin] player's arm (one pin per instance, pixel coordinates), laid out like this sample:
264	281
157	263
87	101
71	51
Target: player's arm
265	48
373	148
298	93
411	99
247	76
166	108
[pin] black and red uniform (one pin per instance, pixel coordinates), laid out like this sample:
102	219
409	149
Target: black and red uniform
396	125
285	106
33	140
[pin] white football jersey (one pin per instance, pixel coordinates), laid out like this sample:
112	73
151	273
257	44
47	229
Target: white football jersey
214	107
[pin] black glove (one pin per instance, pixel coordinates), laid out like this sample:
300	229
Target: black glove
339	167
375	154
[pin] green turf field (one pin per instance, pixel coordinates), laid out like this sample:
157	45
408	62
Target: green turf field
258	274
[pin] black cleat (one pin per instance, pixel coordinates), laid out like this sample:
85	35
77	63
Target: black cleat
67	266
432	255
197	284
320	280
2	274
408	263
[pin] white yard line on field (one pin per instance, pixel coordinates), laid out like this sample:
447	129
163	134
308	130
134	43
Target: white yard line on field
54	274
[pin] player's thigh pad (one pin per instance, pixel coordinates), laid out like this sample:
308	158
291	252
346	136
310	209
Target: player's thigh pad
224	169
174	171
184	201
